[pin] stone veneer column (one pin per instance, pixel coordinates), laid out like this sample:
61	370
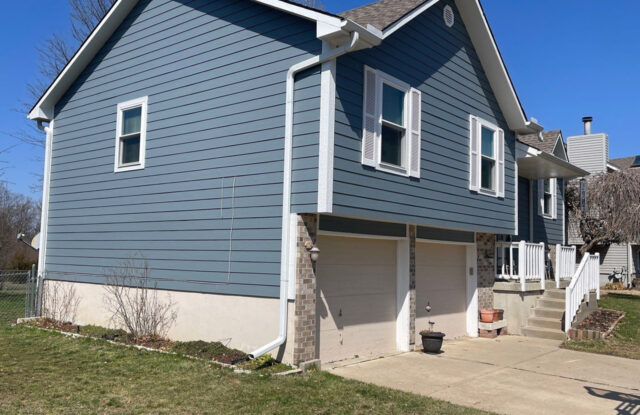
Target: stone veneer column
412	284
304	348
486	245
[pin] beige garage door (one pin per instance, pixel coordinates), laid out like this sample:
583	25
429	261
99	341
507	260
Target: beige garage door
356	297
441	281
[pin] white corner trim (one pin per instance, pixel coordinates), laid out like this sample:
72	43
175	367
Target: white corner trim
516	194
402	294
326	133
123	106
407	18
46	191
472	290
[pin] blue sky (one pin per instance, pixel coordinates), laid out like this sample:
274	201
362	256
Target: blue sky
567	59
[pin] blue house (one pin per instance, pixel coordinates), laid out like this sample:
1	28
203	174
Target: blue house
299	182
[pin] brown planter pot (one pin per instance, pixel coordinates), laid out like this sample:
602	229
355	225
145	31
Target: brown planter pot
498	314
486	315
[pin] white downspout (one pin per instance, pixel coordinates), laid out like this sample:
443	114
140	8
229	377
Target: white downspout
286	191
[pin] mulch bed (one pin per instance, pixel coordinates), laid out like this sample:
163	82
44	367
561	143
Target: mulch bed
203	350
600	320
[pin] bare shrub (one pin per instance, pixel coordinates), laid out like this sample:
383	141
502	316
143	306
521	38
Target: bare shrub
133	303
60	302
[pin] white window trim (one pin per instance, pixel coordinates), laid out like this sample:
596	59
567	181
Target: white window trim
553	186
123	106
381	79
484	123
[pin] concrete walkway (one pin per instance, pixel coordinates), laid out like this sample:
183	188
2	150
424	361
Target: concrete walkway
510	375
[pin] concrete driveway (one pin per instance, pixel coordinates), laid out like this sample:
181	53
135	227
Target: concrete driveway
510	375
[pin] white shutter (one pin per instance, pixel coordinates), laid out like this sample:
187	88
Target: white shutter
500	170
370	121
415	125
541	197
474	154
554	198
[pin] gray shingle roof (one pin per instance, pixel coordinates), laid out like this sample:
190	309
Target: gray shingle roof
547	145
623	162
381	14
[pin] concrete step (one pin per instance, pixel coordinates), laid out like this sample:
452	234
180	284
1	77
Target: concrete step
543	333
546	322
546	302
555	293
543	312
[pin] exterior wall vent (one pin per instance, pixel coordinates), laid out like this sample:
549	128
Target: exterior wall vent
449	17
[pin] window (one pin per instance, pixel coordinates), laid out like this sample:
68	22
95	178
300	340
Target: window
547	194
486	157
131	132
392	130
488	161
392	145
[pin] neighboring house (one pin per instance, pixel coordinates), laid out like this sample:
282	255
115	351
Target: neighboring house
226	140
591	152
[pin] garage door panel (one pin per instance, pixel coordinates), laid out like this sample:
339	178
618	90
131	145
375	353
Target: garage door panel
441	282
356	297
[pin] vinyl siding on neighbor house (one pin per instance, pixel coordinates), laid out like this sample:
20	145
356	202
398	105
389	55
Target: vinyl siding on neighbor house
214	74
442	63
589	152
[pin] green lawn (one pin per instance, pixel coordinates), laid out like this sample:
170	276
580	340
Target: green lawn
11	306
44	372
625	341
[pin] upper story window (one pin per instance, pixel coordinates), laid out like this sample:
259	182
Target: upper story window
486	157
547	190
392	127
131	131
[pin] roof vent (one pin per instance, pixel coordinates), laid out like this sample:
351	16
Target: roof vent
448	16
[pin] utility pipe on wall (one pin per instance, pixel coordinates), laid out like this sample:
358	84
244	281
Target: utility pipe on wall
286	192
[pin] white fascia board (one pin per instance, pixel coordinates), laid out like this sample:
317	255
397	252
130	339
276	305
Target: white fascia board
88	50
304	12
487	50
407	18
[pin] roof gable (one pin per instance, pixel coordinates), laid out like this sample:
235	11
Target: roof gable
395	14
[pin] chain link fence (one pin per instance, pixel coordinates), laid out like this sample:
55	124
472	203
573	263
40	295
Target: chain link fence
18	295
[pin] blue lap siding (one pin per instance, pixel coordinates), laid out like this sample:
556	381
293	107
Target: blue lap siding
206	210
443	64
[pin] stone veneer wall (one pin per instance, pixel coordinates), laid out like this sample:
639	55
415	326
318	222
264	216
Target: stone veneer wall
552	254
486	245
304	348
412	284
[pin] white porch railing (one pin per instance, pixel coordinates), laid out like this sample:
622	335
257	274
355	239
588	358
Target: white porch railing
565	263
531	260
522	261
585	279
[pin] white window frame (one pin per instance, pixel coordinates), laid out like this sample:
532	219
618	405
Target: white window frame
497	167
553	187
403	169
123	106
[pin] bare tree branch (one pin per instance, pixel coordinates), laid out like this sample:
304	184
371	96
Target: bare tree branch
613	209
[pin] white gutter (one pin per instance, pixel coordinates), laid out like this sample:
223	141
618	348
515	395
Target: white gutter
286	192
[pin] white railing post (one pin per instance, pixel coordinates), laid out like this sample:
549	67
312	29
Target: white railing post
597	273
542	269
522	264
559	264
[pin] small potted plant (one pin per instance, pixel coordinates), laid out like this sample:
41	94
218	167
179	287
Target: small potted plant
431	339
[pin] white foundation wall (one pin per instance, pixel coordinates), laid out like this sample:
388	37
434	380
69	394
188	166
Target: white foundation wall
244	323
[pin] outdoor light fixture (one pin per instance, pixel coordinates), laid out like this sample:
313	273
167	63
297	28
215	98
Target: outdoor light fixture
314	253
